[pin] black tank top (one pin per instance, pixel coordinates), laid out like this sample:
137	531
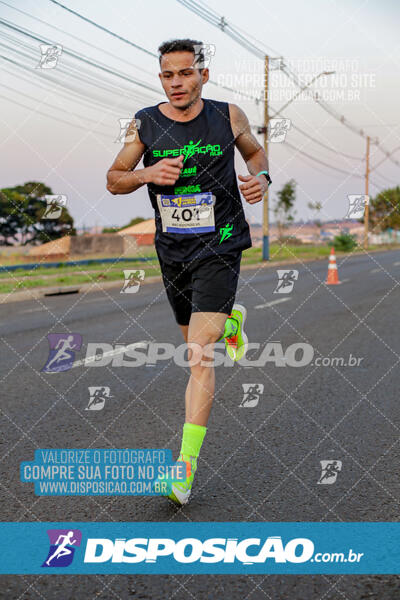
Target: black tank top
207	143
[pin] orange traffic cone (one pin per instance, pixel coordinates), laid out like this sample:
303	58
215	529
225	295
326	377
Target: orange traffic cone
332	278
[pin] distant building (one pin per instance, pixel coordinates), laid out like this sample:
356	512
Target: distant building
143	232
102	244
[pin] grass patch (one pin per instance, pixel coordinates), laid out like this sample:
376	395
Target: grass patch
21	284
64	275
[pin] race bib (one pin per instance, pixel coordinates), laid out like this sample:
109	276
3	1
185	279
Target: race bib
190	213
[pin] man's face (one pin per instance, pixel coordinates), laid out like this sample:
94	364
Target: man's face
181	80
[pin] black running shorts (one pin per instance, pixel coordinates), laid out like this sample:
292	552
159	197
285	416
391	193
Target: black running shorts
204	285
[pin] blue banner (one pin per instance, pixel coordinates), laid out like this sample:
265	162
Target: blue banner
200	548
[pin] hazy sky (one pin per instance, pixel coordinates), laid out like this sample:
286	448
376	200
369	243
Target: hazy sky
72	151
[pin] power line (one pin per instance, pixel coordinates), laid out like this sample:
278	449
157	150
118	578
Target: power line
222	24
48	78
13	101
104	29
387	157
148	52
330	148
100	66
75	37
103	67
43	102
321	162
388	180
219	21
76	74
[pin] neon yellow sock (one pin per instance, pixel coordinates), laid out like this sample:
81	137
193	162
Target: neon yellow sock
193	436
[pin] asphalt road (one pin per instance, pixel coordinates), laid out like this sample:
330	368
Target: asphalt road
259	463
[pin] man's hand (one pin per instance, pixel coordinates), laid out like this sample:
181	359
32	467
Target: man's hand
166	171
254	188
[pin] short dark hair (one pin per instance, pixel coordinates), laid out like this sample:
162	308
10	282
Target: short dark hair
185	45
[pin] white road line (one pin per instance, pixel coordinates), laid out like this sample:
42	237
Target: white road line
121	349
345	280
268	304
31	310
396	264
375	270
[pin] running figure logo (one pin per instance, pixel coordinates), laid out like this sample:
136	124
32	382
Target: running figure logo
329	471
62	351
251	394
54	207
287	278
203	54
276	64
357	204
189	149
63	543
98	397
133	280
225	232
277	130
128	130
49	57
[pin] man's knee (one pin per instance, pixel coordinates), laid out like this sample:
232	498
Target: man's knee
201	352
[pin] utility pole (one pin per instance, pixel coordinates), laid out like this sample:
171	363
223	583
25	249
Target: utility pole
265	252
366	212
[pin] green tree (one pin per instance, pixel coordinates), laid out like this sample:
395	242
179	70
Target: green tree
134	221
384	210
21	210
316	207
283	209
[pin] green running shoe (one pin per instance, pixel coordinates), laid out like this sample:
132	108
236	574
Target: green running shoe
236	345
180	490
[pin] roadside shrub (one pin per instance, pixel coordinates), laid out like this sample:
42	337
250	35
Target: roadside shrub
344	242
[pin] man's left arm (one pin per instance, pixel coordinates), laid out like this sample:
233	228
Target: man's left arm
253	188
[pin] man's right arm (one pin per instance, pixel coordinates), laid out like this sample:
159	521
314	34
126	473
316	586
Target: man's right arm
123	178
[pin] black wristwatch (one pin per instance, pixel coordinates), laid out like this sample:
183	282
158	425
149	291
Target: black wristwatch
267	177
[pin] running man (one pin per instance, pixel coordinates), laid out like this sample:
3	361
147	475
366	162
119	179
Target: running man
62	549
187	145
62	347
